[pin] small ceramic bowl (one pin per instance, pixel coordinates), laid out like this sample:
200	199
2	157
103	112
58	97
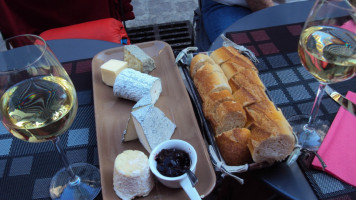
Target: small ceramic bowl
181	181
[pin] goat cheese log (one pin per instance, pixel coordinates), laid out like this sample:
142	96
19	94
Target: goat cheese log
132	175
134	85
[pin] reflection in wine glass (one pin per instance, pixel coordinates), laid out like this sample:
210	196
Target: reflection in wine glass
327	49
38	104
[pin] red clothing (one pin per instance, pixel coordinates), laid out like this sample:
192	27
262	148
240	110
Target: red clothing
35	16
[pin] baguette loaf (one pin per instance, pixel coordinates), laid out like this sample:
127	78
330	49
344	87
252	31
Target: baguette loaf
250	95
228	115
225	54
212	101
233	146
271	135
207	80
241	59
197	62
235	102
221	55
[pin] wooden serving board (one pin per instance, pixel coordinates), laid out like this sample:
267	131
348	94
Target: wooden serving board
112	113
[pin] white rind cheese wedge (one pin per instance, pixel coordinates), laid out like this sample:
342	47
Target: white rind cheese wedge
132	175
137	59
134	85
110	69
130	131
152	126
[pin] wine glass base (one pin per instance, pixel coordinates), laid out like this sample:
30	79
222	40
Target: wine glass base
87	186
309	137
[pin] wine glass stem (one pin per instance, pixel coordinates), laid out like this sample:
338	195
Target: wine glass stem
316	105
74	179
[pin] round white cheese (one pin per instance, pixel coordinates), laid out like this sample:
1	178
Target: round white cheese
132	175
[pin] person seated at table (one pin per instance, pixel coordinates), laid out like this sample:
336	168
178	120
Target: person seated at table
220	14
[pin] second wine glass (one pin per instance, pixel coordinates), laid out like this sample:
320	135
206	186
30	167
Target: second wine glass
327	48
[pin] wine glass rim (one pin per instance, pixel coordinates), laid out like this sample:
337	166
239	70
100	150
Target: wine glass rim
31	63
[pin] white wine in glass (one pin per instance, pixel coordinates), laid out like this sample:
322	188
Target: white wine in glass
38	104
327	49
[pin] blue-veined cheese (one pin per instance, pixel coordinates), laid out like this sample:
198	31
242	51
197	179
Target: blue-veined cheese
137	59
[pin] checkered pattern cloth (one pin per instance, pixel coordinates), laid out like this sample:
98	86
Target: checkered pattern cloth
26	169
293	89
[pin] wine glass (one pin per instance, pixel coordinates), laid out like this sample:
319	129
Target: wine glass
327	49
38	104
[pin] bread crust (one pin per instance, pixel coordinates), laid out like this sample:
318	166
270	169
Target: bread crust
228	115
271	135
221	55
235	102
233	146
208	80
241	59
198	61
212	101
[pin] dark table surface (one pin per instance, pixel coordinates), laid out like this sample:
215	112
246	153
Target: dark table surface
282	14
290	181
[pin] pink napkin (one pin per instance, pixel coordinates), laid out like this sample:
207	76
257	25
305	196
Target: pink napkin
349	25
338	148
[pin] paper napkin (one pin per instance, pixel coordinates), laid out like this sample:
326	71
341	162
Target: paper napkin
338	148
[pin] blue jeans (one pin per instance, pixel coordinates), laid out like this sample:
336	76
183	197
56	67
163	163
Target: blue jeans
217	17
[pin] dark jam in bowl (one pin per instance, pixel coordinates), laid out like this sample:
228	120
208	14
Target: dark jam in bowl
172	162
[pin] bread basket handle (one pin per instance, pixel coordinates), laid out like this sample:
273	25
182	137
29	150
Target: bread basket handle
241	49
225	169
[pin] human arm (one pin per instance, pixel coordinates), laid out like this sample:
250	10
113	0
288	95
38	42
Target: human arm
255	5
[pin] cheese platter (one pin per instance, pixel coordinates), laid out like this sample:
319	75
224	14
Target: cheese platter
112	114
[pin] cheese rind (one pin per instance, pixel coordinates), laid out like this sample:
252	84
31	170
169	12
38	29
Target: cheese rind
134	85
132	176
152	126
137	59
110	69
130	131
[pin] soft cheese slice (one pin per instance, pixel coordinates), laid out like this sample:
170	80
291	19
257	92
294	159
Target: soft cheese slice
110	69
134	85
152	126
130	131
137	59
132	176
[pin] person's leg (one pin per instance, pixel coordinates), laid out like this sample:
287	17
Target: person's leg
217	17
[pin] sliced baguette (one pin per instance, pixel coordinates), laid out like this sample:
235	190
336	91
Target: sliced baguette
213	100
198	61
228	115
250	95
271	135
208	81
233	146
241	59
221	55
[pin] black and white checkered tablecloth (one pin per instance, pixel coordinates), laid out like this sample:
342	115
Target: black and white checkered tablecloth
293	89
26	168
